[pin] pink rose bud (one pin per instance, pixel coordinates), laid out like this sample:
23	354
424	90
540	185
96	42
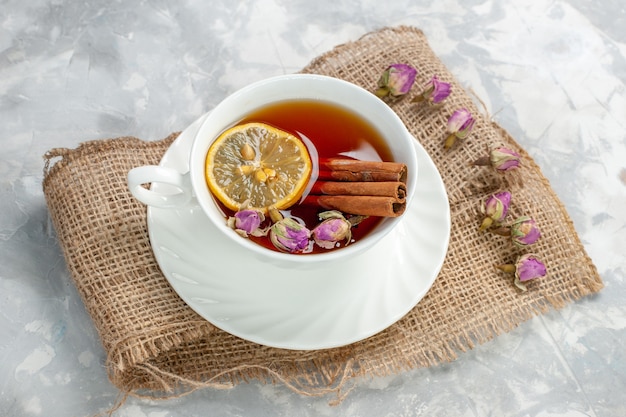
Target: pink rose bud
529	267
524	231
460	125
435	92
495	209
333	229
246	222
290	236
396	80
504	159
526	268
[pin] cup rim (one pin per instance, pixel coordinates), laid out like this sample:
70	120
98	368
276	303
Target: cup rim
203	139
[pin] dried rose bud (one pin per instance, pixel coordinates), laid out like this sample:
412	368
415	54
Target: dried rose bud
247	222
529	267
524	231
290	236
526	267
435	92
333	229
501	158
396	80
495	209
504	159
460	125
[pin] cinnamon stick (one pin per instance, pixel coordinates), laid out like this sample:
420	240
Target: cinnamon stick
343	169
365	188
394	189
383	206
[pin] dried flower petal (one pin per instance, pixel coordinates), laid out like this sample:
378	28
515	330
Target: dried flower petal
396	80
524	231
333	229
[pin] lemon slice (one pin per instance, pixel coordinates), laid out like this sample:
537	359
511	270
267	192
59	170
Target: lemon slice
258	163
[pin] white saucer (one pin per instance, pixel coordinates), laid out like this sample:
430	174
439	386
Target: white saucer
324	307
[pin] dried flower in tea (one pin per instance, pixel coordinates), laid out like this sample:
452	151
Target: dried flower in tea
287	235
333	229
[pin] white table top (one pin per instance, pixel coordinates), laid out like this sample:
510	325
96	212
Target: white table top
553	73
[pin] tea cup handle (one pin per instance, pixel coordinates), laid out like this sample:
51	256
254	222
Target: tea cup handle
177	194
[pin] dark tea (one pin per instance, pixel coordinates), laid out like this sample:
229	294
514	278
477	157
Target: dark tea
334	131
329	131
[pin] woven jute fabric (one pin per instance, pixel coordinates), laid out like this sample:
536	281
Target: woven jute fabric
157	346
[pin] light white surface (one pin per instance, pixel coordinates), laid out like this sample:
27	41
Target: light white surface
327	305
552	72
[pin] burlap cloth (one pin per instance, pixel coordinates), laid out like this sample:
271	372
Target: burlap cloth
157	346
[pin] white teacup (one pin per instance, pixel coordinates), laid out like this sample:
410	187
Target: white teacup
192	184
